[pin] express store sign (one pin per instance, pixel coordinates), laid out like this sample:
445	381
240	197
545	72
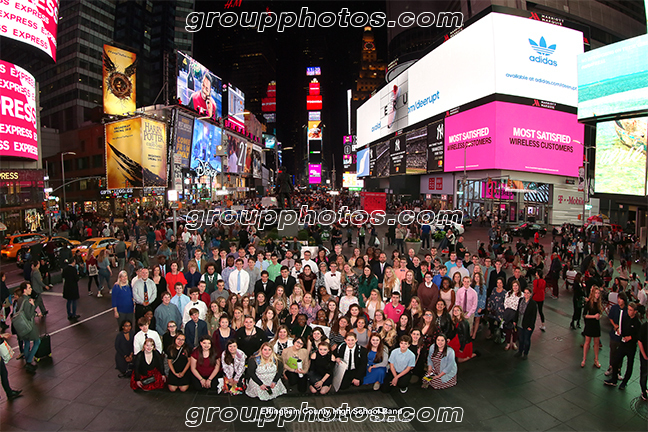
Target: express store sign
18	121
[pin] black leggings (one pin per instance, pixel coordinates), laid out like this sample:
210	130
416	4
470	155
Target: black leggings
540	304
90	279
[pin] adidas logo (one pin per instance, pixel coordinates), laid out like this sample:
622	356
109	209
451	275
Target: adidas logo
544	51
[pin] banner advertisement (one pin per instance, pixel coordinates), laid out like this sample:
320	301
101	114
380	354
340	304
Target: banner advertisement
205	141
119	80
314	130
315	151
372	201
381	167
256	161
314	173
352	182
435	136
184	135
621	156
154	154
236	105
417	151
495	189
502	135
18	116
364	163
32	22
397	151
237	150
198	88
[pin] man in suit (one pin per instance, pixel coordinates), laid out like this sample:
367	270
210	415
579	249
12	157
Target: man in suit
221	263
265	285
355	357
628	330
286	280
379	268
527	313
494	276
201	262
162	263
195	329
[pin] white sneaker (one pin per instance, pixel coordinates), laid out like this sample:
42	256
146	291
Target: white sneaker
90	293
376	386
99	294
403	390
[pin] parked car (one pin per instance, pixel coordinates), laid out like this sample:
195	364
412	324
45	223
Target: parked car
528	230
97	244
59	243
12	244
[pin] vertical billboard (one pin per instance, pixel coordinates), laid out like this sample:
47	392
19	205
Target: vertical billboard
416	144
314	173
381	166
119	80
18	116
393	105
32	22
315	151
363	163
135	154
314	130
235	160
236	105
183	142
620	166
204	146
435	136
256	161
397	153
198	88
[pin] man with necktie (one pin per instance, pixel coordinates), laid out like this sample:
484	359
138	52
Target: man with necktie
239	279
162	264
194	303
355	357
265	285
144	293
286	280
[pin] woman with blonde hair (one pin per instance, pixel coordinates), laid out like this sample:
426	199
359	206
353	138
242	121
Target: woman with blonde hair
592	312
388	334
265	369
238	318
297	295
374	303
390	284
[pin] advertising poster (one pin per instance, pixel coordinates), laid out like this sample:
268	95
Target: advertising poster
351	181
18	125
247	166
184	135
373	151
32	22
236	155
154	154
236	105
256	161
124	154
119	83
314	130
620	166
314	173
372	201
315	151
363	163
198	88
205	141
397	152
381	168
416	142
435	135
270	141
502	135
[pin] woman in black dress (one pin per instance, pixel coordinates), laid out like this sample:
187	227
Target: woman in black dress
578	302
178	359
320	373
148	368
250	337
124	350
592	314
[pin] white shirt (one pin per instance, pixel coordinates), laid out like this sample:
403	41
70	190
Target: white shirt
202	311
461	270
138	290
332	282
312	265
140	338
294	273
233	282
186	236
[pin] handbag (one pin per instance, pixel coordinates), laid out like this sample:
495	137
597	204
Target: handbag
6	352
93	270
21	323
149	380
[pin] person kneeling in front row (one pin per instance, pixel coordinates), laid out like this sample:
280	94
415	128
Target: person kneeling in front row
442	366
401	363
148	368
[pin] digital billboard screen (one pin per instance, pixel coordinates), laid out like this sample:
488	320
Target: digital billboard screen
198	88
435	135
270	141
32	22
416	160
18	116
313	103
502	135
206	139
119	83
381	166
256	161
351	181
397	153
313	71
613	79
183	140
236	105
315	151
314	130
620	166
363	163
314	173
239	155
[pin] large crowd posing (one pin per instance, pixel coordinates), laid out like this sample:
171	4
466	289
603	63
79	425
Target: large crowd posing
265	318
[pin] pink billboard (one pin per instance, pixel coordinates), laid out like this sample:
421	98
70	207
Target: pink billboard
18	121
314	173
33	22
502	135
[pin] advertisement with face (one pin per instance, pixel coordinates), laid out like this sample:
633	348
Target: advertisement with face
393	105
206	139
613	79
435	136
19	132
198	88
501	135
314	173
235	160
417	151
363	163
620	166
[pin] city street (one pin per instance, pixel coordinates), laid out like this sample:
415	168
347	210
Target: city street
78	389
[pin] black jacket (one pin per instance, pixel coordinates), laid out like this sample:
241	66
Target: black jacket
360	360
288	287
463	332
269	291
375	268
529	318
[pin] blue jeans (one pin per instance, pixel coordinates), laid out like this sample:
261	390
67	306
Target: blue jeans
524	340
71	306
31	352
104	275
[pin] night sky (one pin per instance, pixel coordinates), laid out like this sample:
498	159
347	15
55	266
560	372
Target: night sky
336	50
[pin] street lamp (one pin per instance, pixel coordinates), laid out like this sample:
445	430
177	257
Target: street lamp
63	174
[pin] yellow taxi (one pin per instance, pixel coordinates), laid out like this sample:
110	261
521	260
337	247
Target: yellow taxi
54	244
12	244
97	244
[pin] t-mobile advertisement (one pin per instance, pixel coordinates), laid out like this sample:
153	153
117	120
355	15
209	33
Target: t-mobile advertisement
502	135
